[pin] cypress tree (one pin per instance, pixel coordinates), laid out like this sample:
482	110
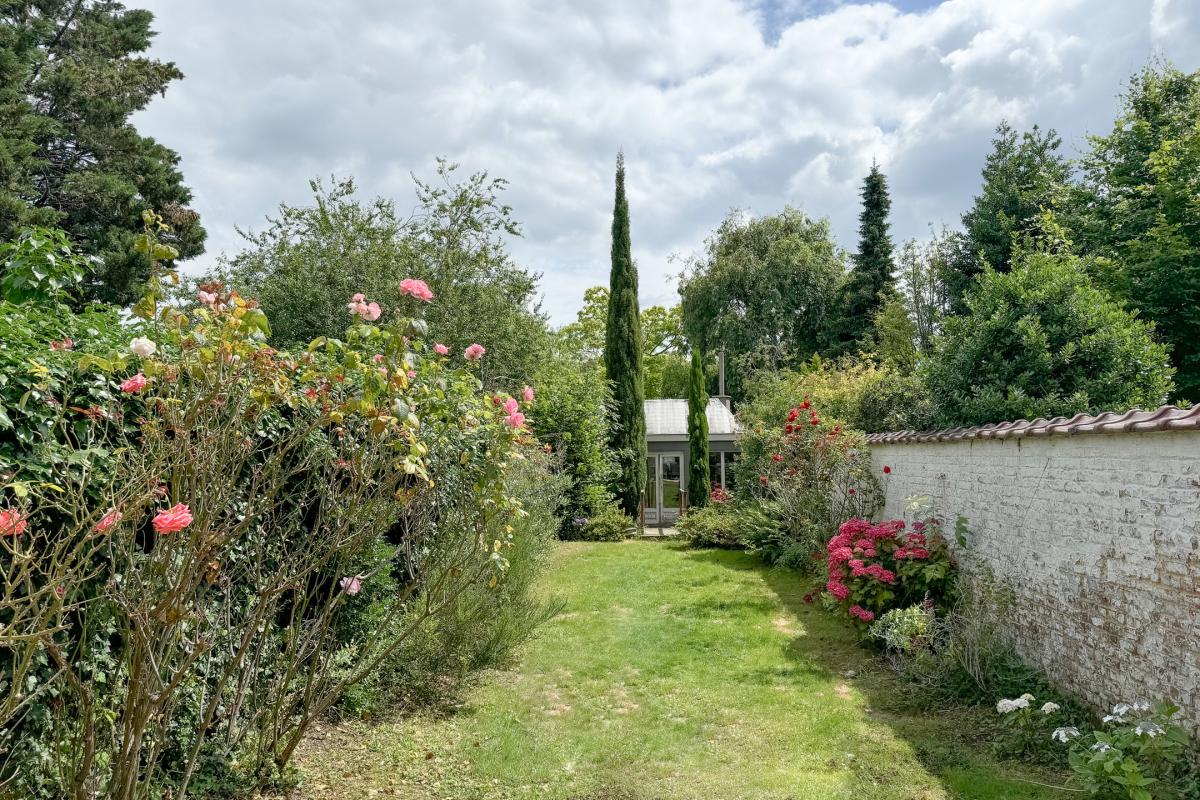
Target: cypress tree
623	357
871	282
699	480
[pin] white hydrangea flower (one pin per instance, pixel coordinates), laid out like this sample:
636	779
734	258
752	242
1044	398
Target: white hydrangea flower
1118	713
1027	697
1102	747
1064	735
1049	708
1150	729
1141	705
141	346
1007	706
1023	701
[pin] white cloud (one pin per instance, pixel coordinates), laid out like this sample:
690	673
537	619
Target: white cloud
717	103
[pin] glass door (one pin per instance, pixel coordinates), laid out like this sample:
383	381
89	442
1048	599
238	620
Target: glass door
671	491
651	494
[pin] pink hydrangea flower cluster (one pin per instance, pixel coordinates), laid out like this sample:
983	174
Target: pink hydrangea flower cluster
862	613
858	552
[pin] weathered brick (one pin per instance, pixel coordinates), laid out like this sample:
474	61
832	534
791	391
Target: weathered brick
1098	536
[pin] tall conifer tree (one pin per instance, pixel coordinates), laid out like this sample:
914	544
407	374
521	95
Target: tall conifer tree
871	282
623	357
72	76
699	480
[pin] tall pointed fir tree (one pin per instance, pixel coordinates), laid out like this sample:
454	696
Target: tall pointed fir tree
871	281
699	480
623	357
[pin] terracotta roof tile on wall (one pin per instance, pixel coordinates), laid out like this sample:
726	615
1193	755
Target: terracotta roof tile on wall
1166	418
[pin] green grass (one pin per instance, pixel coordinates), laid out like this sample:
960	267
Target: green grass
674	674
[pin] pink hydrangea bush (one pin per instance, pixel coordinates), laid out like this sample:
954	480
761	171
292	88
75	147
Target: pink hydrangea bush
871	567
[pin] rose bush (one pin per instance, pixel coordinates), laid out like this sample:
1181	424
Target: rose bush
212	543
810	473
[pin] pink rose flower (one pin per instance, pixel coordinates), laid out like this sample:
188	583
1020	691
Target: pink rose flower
173	520
351	584
108	521
474	352
515	419
134	384
12	522
63	344
441	349
377	358
417	288
207	298
510	406
412	373
527	393
360	307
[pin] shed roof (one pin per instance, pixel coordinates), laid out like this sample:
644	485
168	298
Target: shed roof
666	420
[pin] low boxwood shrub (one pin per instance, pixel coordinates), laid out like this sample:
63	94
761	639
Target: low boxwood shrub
608	525
714	525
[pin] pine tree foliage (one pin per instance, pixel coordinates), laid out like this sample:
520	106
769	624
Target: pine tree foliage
871	282
623	357
1138	206
699	480
1023	175
71	75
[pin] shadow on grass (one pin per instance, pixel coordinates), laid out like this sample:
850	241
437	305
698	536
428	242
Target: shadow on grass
952	744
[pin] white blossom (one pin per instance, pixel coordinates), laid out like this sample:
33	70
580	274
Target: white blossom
1102	747
1064	735
1141	705
1027	697
1049	708
1150	729
141	346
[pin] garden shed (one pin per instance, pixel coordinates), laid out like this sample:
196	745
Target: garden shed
665	494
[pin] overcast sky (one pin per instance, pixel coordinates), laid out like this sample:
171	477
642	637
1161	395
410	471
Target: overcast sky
717	104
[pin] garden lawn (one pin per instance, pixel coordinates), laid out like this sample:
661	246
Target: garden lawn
674	673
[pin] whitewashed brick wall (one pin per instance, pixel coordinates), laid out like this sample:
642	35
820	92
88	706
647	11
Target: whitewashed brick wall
1098	535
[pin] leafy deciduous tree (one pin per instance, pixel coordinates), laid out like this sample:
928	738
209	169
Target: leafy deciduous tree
664	365
763	290
311	259
923	268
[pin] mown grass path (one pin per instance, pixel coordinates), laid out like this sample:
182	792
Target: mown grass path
673	673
